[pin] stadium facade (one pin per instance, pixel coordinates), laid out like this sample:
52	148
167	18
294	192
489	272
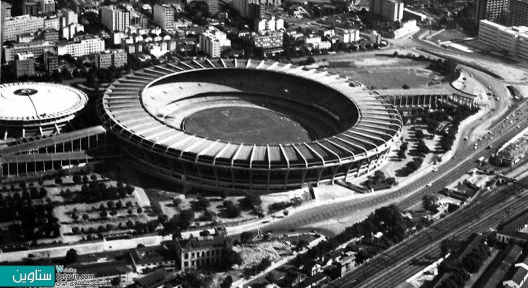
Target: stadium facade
353	129
146	117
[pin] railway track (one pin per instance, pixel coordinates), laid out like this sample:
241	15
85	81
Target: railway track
485	212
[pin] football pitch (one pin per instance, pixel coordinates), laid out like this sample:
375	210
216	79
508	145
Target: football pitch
248	125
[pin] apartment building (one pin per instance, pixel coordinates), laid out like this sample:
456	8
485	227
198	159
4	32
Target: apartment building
115	19
164	16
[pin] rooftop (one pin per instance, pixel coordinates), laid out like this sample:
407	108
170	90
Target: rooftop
38	101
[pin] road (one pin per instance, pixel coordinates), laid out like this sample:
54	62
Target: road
446	174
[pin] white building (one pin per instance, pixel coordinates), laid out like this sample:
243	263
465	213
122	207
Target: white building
69	31
271	24
20	25
312	39
347	35
323	45
70	17
164	16
82	47
213	41
115	19
512	40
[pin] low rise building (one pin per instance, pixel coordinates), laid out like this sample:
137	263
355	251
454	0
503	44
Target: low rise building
107	59
36	47
51	61
268	40
24	64
11	27
152	257
516	230
510	40
194	253
81	46
347	35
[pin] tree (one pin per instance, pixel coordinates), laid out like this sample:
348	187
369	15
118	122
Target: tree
231	258
116	281
429	203
58	180
129	189
85	179
139	210
93	177
130	224
186	219
113	212
130	211
177	202
110	204
85	216
247	236
77	179
71	256
419	134
228	281
43	192
103	213
202	202
205	233
251	201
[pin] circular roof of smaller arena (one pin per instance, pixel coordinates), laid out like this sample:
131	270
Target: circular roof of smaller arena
32	101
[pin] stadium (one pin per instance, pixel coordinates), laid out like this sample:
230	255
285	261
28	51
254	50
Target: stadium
248	125
37	109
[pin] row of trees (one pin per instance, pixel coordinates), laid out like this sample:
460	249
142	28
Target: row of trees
33	193
387	219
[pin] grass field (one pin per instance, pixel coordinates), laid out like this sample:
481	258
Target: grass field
392	77
246	125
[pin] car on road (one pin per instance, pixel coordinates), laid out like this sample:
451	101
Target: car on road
435	169
429	184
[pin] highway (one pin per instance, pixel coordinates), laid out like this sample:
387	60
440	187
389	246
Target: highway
489	210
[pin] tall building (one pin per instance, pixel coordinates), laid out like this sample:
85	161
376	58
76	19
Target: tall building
519	12
213	41
70	17
115	19
392	10
69	31
491	10
164	16
212	6
47	6
20	25
6	10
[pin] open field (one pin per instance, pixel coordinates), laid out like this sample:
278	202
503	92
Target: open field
246	125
